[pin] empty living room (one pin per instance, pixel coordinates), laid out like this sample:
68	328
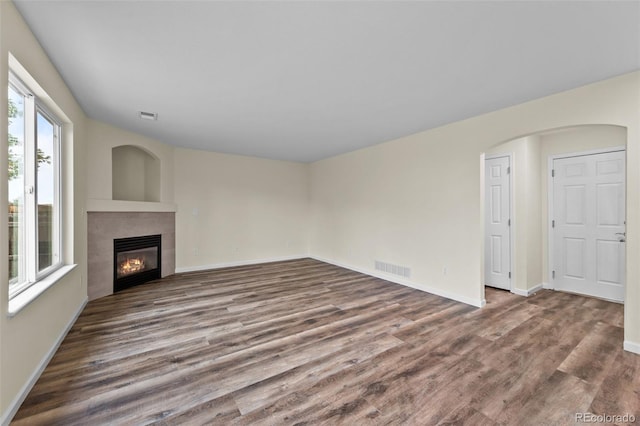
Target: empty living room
320	212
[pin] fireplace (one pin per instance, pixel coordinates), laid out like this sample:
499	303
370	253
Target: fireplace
136	260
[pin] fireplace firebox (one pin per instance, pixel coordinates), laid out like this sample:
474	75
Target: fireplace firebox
136	260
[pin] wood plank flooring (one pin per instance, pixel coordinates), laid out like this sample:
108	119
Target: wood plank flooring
304	342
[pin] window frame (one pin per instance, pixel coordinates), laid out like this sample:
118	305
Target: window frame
29	249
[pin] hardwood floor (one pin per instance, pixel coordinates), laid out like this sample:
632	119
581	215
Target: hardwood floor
304	342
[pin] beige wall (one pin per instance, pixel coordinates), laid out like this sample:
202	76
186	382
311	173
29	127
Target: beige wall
234	209
412	202
416	201
533	215
229	209
27	338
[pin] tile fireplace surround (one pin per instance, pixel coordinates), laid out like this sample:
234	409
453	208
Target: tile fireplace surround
104	227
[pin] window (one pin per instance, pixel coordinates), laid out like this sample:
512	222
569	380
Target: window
34	189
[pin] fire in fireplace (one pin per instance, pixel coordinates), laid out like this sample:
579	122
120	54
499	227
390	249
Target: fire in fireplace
131	266
136	260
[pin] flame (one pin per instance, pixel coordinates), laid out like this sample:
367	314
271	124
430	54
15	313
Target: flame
131	266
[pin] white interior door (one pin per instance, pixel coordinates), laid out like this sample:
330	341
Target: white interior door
589	224
497	246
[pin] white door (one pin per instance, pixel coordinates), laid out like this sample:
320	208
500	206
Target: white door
589	224
497	245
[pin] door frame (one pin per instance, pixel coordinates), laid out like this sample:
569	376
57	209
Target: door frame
512	227
550	240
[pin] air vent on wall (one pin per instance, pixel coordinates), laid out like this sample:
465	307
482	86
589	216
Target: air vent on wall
153	116
390	268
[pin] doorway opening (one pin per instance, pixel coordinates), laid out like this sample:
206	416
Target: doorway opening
497	241
532	236
588	224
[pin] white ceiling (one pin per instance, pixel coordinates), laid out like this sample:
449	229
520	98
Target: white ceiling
304	81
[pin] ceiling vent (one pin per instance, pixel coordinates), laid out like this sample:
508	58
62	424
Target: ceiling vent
153	116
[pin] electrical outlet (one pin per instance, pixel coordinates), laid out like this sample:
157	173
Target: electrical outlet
444	271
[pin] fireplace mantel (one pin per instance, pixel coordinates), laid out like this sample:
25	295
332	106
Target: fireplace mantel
100	205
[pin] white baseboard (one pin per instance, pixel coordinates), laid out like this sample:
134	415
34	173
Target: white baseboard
529	292
19	399
407	283
632	346
180	270
547	286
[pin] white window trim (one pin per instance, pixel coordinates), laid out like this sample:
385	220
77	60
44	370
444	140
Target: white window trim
57	205
39	281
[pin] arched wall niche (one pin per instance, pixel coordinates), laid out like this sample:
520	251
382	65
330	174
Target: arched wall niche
135	174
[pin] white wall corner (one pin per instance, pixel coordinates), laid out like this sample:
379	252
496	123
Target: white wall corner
22	395
535	289
519	292
183	269
529	292
632	346
478	303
